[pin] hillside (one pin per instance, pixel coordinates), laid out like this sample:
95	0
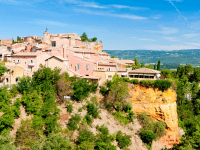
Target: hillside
34	112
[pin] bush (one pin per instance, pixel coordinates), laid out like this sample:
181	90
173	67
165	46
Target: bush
14	90
5	142
162	84
93	109
88	120
131	116
104	139
86	145
145	121
147	136
26	135
159	128
16	108
82	89
73	122
134	81
85	135
126	79
53	141
24	85
121	118
127	107
123	139
69	108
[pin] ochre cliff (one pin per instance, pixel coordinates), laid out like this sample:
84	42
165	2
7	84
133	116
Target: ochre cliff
158	105
98	47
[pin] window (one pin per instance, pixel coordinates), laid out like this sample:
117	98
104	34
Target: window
136	76
7	80
25	62
71	65
131	76
141	76
16	80
109	76
109	69
31	61
77	66
87	67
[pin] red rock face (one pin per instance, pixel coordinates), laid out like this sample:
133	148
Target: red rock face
158	105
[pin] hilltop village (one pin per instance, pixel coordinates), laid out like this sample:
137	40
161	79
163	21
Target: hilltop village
68	52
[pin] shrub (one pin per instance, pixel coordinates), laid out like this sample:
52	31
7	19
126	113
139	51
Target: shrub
127	107
53	141
16	108
86	145
134	81
162	84
147	136
103	90
80	109
159	128
131	116
145	121
85	135
5	142
69	108
104	139
93	109
82	88
88	120
24	85
121	118
126	79
73	122
26	135
14	90
123	139
108	106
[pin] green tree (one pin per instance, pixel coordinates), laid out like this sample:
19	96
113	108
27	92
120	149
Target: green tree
158	66
84	37
166	73
155	67
13	41
94	39
142	65
113	56
3	69
18	38
147	136
137	63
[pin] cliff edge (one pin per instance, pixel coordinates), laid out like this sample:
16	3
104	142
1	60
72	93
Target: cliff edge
158	105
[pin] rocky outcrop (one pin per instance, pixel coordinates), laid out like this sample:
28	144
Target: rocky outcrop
158	105
98	47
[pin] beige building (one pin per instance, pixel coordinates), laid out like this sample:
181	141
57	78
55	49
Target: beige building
57	61
14	72
105	75
144	74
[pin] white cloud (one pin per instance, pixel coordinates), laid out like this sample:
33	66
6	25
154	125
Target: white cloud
143	39
195	44
167	30
48	22
191	35
129	7
158	16
84	4
171	39
127	16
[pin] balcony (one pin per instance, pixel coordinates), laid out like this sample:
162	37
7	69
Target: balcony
31	63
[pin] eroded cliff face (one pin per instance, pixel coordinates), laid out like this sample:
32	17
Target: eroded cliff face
158	105
98	47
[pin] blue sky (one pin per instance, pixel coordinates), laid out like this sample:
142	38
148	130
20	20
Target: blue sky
121	25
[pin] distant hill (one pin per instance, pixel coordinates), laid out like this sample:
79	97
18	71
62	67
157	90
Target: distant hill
189	56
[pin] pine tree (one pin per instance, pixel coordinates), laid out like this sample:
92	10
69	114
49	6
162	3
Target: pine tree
158	66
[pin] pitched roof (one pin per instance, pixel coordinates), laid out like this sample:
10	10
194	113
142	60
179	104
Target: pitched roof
145	70
58	57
